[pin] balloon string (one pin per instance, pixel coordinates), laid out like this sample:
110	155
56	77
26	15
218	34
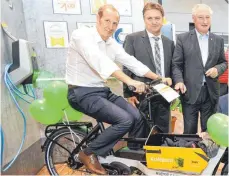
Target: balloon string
66	117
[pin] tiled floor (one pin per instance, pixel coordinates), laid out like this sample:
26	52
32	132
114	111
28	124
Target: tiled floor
63	169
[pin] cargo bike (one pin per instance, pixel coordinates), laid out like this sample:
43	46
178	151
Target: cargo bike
65	140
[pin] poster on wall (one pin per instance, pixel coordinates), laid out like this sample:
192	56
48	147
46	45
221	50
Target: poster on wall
66	6
85	24
56	34
146	1
123	6
122	31
142	3
167	30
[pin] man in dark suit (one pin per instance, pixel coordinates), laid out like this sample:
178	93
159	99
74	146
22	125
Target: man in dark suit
198	60
155	51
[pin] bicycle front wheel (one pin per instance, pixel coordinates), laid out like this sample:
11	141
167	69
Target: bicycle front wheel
59	161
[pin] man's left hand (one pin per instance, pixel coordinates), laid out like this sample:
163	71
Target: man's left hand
204	135
212	72
168	81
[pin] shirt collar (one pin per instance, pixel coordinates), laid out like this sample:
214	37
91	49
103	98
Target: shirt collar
152	35
99	39
199	35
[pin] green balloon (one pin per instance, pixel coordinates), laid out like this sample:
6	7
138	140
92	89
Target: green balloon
42	78
44	113
72	114
56	94
217	127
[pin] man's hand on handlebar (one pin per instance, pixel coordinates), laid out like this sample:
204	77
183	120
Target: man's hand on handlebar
133	100
139	87
167	81
204	135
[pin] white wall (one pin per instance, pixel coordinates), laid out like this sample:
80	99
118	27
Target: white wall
179	13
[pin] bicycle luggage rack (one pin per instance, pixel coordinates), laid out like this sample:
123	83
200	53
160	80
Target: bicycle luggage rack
74	125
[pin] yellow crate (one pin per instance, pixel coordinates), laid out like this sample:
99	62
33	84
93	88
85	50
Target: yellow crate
188	160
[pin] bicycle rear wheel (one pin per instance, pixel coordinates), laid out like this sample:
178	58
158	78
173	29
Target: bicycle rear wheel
58	160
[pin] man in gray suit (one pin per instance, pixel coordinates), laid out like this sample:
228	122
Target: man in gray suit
198	60
155	51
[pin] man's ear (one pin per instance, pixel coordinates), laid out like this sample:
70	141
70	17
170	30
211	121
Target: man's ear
98	18
193	18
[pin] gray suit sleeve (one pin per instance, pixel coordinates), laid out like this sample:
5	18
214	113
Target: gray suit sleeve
178	62
128	47
222	63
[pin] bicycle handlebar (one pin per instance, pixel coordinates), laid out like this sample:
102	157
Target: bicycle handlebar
155	82
149	85
131	88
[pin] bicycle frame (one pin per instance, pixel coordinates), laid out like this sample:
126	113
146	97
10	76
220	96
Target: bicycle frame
100	127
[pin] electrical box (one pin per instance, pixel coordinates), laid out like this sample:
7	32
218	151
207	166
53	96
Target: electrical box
22	67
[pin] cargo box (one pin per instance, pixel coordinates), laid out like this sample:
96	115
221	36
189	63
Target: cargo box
179	159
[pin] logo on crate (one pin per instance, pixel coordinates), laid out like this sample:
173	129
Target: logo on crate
179	162
195	162
161	173
162	160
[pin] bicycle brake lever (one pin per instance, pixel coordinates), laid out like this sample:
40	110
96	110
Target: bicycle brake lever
132	88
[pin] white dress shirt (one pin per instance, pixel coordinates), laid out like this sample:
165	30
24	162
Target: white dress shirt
152	43
91	60
203	43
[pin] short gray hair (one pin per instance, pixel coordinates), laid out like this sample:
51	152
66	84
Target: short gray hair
201	6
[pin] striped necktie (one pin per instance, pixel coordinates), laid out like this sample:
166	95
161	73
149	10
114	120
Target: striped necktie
157	56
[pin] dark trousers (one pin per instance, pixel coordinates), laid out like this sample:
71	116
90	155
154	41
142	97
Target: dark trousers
101	104
160	110
223	89
191	111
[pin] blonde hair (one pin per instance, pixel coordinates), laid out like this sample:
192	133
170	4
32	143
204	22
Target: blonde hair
152	5
104	7
201	6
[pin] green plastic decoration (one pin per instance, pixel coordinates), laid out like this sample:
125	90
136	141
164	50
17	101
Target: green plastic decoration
50	109
56	94
217	127
72	114
44	113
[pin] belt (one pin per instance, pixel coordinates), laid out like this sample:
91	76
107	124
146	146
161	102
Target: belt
71	86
